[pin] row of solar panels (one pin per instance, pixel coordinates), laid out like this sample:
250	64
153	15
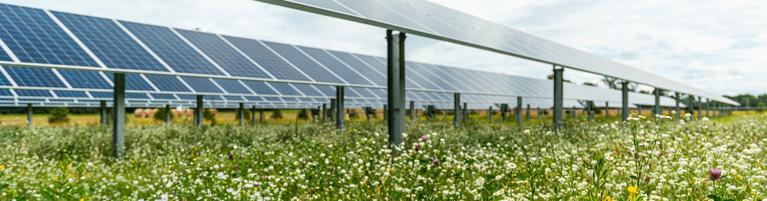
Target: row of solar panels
47	37
435	21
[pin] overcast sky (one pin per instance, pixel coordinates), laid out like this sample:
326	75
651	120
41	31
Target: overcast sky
715	45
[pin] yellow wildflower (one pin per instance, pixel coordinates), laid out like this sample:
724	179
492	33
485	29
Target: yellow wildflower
2	167
632	190
608	198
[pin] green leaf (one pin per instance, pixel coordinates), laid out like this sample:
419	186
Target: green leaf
715	197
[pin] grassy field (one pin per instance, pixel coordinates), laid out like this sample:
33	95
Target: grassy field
641	159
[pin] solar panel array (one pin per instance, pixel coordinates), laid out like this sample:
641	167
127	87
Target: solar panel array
62	58
438	22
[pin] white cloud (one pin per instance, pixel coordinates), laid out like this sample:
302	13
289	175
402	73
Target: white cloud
716	45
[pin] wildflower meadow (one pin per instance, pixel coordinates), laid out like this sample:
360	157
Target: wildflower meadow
640	159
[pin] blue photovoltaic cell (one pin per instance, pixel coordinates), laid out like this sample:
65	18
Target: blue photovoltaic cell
350	92
134	82
33	92
34	37
306	99
109	42
363	92
5	92
4	56
212	98
223	54
232	86
85	79
285	89
136	95
363	68
98	94
337	67
200	84
327	90
278	67
4	81
290	99
163	96
254	98
307	89
273	99
428	75
34	77
303	62
171	49
186	97
71	94
234	98
167	83
260	87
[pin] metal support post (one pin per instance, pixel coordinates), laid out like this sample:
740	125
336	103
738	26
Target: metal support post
656	108
676	105
167	114
29	115
333	106
104	117
558	97
386	114
590	110
457	109
700	104
340	113
490	113
518	111
465	113
198	111
118	127
412	112
504	109
323	112
527	112
241	114
625	100
607	110
253	115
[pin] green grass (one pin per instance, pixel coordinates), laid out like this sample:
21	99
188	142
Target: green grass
303	161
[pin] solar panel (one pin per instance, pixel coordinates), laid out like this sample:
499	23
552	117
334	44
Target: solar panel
34	37
223	54
351	76
327	90
431	20
71	94
234	98
133	82
303	62
422	71
364	69
113	46
34	77
136	96
307	90
285	89
260	88
163	96
5	92
232	86
98	94
202	85
167	83
278	67
171	49
33	93
85	79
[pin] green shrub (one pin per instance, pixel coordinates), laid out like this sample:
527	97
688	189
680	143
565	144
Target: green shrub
276	114
59	115
160	115
303	114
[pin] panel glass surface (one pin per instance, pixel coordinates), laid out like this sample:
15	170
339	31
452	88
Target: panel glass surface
85	79
203	85
285	89
33	93
171	49
266	59
167	83
363	68
223	54
232	86
261	88
303	62
109	42
336	66
34	77
71	94
307	90
34	37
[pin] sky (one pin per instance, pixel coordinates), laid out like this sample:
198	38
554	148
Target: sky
716	45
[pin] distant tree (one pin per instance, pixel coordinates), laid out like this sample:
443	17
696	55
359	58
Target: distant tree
59	115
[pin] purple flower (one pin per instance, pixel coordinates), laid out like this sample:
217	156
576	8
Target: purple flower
417	147
715	174
424	138
435	162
